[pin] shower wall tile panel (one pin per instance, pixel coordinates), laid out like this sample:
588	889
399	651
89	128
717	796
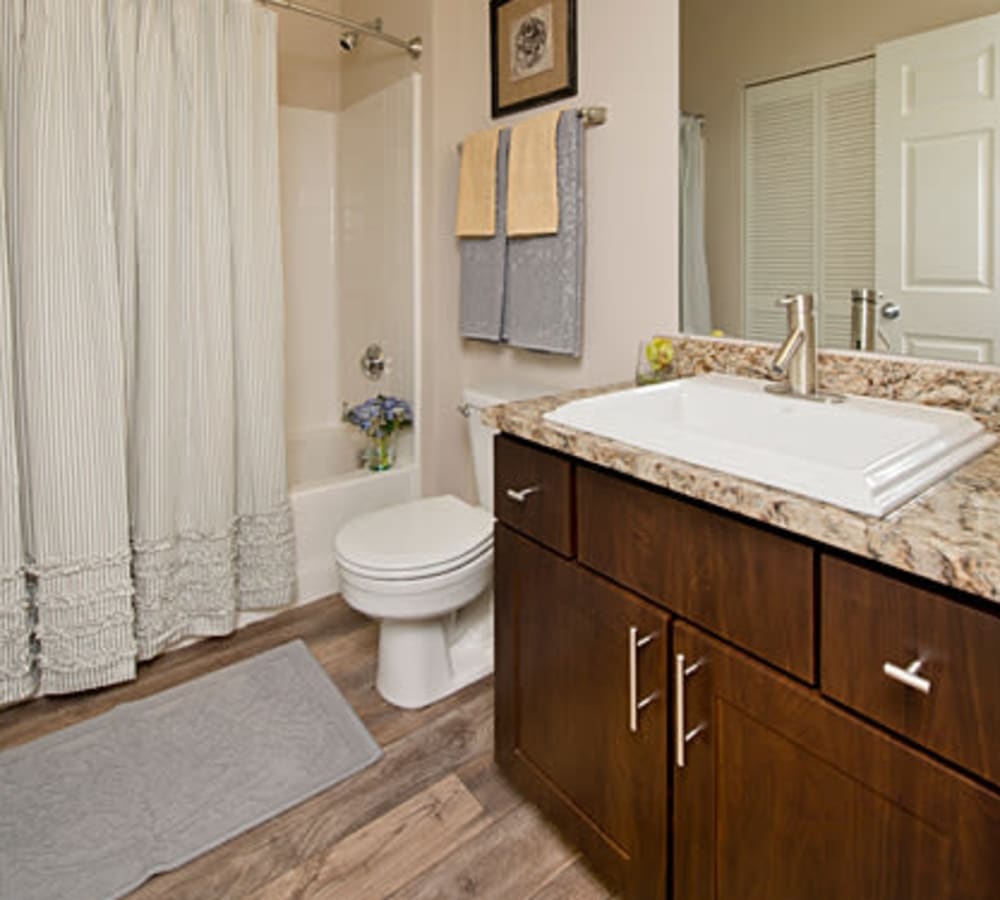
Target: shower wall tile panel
375	275
308	149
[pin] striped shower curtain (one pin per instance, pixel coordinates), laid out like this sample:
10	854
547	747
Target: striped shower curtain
142	473
696	301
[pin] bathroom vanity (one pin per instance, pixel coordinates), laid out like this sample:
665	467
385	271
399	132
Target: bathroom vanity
715	700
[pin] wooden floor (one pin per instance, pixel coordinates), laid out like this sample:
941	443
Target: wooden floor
432	818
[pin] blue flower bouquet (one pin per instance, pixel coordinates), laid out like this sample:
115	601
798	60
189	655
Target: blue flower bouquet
380	418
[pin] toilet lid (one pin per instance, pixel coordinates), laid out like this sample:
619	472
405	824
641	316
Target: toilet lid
415	539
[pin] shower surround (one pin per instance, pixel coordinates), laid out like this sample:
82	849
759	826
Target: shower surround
350	224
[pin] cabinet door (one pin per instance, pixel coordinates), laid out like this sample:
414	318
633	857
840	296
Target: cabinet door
782	797
581	725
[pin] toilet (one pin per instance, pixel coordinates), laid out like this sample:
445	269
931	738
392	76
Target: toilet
424	569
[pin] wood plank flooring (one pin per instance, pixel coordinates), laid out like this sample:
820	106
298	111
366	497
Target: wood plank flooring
432	819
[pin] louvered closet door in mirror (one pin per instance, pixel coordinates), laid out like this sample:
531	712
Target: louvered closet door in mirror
809	197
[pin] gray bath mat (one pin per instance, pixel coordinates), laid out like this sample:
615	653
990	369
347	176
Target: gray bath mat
97	808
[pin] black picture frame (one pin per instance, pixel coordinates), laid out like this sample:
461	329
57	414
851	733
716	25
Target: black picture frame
552	84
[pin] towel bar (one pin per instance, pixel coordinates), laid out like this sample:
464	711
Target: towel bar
591	115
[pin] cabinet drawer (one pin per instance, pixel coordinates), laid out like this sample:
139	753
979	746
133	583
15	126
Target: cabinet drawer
742	582
871	620
533	493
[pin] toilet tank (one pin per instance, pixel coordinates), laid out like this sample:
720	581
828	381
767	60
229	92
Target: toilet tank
481	435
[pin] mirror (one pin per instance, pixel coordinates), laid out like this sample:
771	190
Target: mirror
806	111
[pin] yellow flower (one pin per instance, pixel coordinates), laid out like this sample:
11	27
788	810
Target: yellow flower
659	353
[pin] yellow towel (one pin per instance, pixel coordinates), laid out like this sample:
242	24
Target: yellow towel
477	186
532	184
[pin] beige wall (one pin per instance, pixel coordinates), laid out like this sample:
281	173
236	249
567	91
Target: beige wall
726	45
629	64
375	65
308	61
313	72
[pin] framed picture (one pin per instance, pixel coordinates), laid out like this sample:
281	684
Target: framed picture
532	52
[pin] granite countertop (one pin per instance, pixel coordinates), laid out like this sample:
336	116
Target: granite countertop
949	534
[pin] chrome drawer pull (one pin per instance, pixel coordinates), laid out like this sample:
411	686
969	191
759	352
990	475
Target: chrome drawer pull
694	732
682	737
908	676
635	705
645	701
519	496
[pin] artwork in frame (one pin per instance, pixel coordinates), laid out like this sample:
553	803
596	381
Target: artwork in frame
532	52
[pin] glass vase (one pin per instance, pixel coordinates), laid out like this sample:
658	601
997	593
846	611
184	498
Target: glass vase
652	368
381	452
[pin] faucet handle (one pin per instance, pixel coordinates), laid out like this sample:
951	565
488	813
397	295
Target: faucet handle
804	302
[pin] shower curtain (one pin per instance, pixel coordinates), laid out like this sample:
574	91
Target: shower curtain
696	310
142	474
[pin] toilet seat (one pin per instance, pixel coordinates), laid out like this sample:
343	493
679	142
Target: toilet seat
423	539
418	598
418	573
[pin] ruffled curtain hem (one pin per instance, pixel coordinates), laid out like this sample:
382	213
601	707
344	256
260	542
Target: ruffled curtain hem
18	679
17	674
91	630
194	584
84	630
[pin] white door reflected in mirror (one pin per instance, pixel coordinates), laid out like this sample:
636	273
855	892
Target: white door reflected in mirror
936	142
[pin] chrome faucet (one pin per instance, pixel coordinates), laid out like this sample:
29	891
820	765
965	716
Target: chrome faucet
797	355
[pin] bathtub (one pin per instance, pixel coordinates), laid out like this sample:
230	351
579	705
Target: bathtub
328	488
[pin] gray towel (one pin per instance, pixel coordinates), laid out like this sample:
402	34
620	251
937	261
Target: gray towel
483	262
544	309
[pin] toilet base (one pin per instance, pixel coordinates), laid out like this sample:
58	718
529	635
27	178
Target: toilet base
422	661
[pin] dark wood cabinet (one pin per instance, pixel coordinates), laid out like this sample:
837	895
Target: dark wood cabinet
783	797
662	732
741	581
581	708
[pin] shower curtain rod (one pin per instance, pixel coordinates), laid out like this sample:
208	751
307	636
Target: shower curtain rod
414	46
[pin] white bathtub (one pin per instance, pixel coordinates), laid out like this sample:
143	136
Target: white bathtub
328	488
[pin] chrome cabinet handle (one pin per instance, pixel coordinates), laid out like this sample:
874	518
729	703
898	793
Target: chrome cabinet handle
522	494
683	737
635	705
909	676
891	310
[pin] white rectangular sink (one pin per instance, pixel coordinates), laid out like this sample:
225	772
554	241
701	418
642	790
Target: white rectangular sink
862	454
